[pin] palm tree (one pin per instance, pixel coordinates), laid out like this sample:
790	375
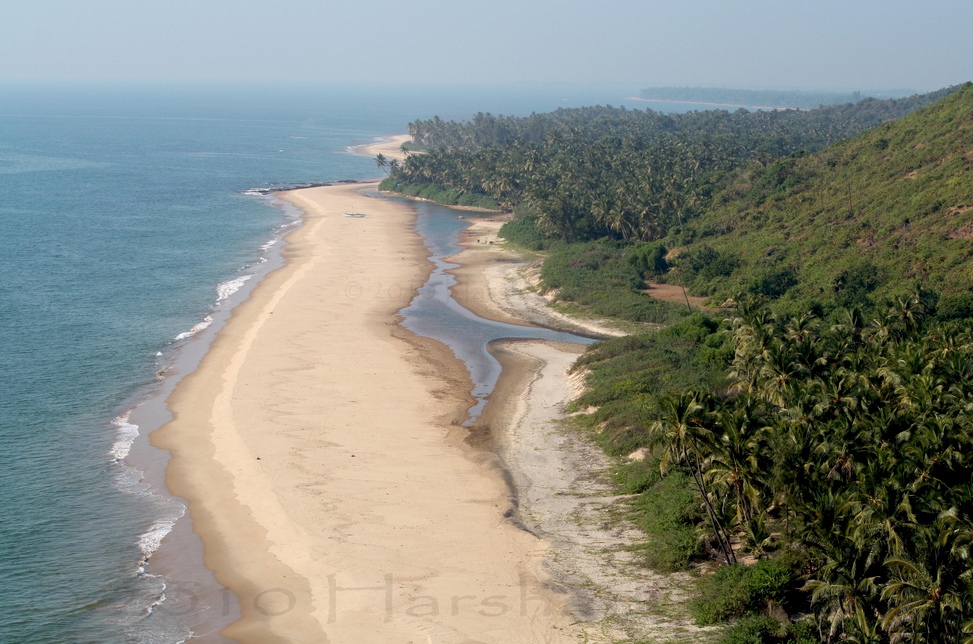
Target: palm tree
847	584
736	452
382	162
931	593
686	438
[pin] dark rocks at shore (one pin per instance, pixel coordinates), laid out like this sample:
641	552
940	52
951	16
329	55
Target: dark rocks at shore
298	186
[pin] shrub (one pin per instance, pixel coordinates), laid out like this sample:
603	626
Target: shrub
439	194
669	512
755	630
705	264
955	307
723	595
803	632
524	232
638	476
649	259
598	275
773	283
736	591
853	285
768	581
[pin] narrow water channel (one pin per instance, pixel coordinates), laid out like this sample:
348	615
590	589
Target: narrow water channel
434	313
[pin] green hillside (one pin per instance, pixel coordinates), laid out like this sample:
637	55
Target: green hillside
809	456
868	217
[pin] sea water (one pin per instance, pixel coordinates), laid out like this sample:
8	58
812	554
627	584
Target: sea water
129	227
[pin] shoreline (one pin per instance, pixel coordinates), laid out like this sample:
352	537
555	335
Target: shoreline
498	284
390	146
559	480
434	530
285	521
752	107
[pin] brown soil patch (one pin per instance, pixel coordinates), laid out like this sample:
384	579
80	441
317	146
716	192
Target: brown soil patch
965	231
673	293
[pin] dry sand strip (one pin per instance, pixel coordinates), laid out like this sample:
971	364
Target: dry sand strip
316	448
500	284
560	479
389	146
565	496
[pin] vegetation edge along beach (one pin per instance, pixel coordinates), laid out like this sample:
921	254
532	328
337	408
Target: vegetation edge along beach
319	448
800	442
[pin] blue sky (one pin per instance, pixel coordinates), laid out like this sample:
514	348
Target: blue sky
804	44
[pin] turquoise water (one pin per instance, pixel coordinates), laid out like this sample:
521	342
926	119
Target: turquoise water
126	226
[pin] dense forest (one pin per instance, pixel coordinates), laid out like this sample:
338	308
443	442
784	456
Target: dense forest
750	97
611	172
807	443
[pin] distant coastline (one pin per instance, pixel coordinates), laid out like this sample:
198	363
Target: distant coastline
753	107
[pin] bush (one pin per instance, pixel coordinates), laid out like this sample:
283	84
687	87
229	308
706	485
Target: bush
736	591
649	259
853	285
755	630
599	276
955	307
803	632
773	283
475	200
439	194
768	581
524	232
669	512
723	596
705	264
637	476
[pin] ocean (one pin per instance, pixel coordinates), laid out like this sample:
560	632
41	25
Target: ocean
130	225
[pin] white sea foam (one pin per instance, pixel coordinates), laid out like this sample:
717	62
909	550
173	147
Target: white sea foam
268	244
158	602
151	539
208	320
229	287
126	434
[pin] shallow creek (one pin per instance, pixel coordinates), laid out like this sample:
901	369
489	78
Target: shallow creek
434	313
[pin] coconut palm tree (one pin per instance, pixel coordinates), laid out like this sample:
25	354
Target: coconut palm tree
736	460
931	593
682	430
382	162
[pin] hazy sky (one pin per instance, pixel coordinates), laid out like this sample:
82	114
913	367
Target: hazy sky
809	44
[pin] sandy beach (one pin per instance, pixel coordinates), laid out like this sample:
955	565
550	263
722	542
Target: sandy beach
498	284
317	448
390	146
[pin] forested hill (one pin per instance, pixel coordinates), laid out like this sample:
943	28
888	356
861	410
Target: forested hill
820	424
861	220
629	174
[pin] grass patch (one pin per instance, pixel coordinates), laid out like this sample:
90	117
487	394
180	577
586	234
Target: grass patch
668	511
736	591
